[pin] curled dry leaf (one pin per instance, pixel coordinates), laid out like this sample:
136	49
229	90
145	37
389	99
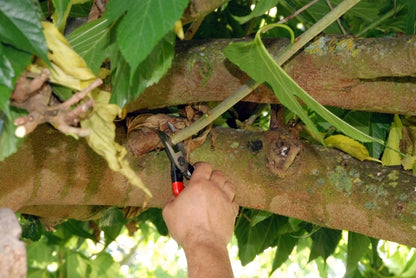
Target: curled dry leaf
142	130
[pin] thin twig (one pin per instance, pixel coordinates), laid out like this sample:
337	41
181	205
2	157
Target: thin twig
247	88
286	19
191	31
75	98
338	20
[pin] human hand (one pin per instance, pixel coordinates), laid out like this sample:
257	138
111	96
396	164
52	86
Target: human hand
204	211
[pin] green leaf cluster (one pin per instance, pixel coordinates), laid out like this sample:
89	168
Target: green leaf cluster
65	252
138	39
135	42
258	230
21	37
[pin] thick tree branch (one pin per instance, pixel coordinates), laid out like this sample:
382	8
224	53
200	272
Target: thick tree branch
375	74
65	179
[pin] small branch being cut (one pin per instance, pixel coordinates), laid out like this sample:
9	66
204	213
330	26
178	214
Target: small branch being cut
35	95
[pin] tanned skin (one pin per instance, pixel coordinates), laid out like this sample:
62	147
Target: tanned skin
201	219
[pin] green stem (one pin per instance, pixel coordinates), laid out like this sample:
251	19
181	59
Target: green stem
381	19
247	88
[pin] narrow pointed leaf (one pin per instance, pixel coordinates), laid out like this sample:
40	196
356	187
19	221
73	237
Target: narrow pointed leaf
90	42
253	58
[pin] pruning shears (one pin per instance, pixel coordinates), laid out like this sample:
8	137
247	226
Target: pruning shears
180	167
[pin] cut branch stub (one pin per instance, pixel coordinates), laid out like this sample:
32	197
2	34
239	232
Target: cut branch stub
35	95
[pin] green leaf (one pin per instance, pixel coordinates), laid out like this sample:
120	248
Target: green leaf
154	215
20	26
411	17
32	228
18	61
253	58
62	8
76	265
73	227
111	224
284	249
357	246
324	242
260	8
9	143
260	216
91	40
6	70
150	71
374	124
252	240
104	266
145	24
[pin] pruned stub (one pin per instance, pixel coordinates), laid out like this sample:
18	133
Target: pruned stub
283	151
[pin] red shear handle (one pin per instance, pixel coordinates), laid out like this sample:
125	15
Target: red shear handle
177	180
177	187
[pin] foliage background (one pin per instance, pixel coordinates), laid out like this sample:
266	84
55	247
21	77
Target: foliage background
69	251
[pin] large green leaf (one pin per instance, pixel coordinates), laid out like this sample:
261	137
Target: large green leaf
90	41
154	215
150	71
20	26
9	143
357	246
111	223
411	17
324	242
76	265
252	240
32	228
6	69
253	58
284	248
77	228
145	24
15	63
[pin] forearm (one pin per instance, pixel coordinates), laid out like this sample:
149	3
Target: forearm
208	260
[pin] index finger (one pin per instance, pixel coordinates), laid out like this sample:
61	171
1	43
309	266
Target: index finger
202	170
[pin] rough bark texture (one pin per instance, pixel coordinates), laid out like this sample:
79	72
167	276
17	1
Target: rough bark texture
375	74
200	8
12	250
57	177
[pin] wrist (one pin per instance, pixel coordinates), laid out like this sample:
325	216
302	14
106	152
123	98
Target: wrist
208	258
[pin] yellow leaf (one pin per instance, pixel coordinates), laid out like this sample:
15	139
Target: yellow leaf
102	134
391	155
179	29
350	146
408	144
69	69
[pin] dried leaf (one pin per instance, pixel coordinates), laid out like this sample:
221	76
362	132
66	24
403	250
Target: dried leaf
350	146
391	155
69	69
408	146
102	134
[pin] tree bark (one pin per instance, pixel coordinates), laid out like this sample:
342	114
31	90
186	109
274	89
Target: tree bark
374	74
56	177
